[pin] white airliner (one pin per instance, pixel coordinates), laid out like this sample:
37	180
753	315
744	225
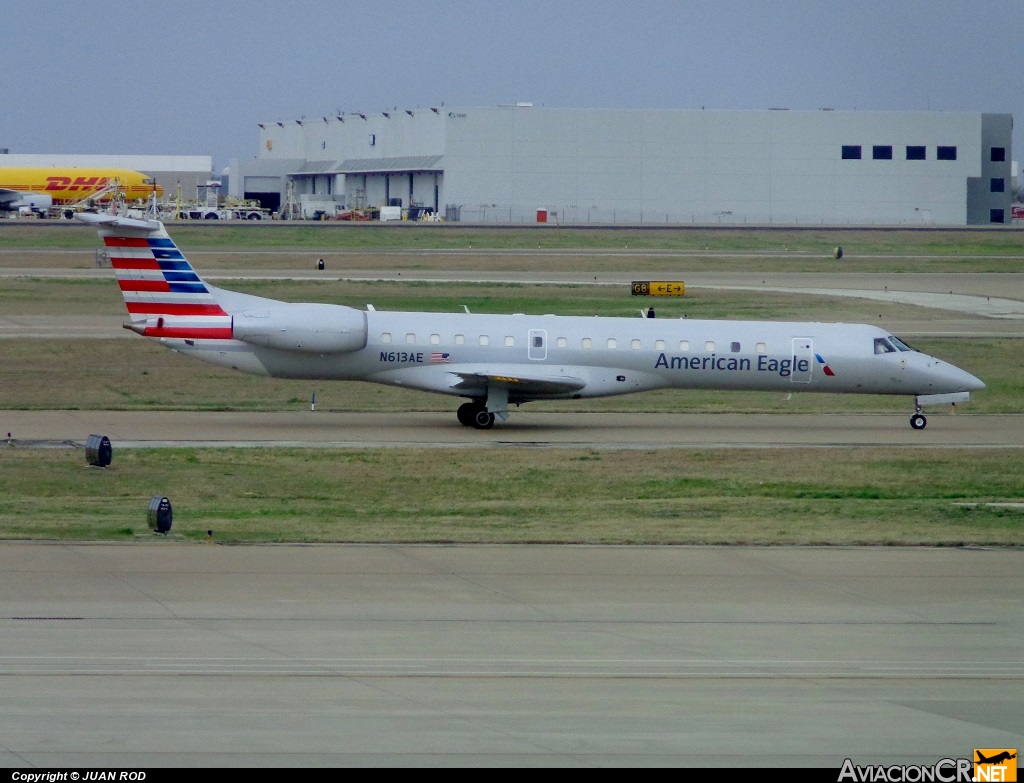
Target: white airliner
497	360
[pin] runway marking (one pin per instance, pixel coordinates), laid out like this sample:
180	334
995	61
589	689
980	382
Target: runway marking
514	668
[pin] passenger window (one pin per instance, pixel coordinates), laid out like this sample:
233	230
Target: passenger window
385	337
635	345
485	340
709	346
762	348
611	344
510	341
735	347
410	338
659	345
684	345
435	339
587	343
460	339
561	342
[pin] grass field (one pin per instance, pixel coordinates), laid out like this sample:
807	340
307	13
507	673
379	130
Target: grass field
793	496
502	495
598	248
396	236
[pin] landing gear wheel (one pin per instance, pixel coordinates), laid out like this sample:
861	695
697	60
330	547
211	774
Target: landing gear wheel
466	413
918	422
483	419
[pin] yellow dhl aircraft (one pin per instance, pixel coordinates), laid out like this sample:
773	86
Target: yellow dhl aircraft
38	189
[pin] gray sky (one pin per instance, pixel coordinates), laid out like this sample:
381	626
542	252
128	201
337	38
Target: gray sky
182	77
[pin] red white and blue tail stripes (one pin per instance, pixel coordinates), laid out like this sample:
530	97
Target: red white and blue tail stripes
164	295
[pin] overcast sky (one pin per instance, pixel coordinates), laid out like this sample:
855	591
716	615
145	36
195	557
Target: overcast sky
194	78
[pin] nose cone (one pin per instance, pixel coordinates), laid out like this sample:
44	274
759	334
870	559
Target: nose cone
952	379
971	383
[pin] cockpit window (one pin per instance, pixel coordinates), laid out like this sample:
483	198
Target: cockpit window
900	345
883	346
890	344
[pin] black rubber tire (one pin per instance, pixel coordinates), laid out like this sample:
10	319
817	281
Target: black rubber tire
483	419
466	413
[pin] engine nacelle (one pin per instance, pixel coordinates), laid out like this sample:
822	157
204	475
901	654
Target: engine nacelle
311	328
30	202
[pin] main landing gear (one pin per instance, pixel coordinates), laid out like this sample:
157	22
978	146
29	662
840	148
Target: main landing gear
475	414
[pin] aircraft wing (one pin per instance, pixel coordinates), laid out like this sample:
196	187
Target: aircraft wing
7	195
519	383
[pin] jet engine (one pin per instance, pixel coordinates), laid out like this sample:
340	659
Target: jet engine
36	202
311	328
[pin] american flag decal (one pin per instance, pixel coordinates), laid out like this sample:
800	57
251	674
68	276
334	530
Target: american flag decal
439	358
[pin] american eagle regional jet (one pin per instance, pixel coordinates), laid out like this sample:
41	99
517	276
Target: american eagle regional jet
499	360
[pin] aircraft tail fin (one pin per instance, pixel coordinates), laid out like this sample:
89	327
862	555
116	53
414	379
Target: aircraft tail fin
164	295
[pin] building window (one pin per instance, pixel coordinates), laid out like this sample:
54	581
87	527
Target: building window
851	152
997	185
882	152
996	216
917	152
946	153
998	154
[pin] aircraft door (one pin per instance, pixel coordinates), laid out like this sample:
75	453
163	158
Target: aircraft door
538	342
803	359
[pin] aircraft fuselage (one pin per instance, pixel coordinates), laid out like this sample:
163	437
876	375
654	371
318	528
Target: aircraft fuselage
498	360
431	351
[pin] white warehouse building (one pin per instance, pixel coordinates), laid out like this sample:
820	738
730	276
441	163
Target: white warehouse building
516	164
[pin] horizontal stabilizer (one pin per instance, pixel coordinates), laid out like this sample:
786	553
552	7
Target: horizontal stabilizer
115	221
